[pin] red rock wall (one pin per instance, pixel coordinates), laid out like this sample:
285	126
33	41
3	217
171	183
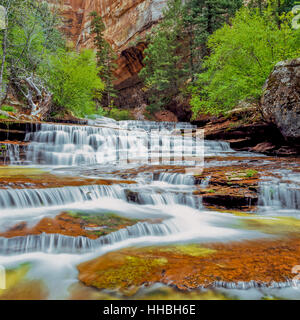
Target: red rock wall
126	23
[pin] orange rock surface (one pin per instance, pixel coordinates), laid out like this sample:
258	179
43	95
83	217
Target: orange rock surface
262	261
65	224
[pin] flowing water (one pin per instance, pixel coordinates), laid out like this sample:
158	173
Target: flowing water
109	149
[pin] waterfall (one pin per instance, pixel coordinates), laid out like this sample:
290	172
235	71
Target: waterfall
176	178
279	195
153	125
33	198
11	153
57	243
147	142
168	198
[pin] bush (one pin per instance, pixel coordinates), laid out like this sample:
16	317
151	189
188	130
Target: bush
74	82
242	57
8	108
119	114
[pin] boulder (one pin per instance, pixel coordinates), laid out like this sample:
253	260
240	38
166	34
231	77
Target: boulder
280	101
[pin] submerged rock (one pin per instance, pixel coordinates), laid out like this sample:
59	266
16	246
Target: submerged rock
281	98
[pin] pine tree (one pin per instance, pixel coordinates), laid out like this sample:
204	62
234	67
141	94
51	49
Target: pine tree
164	71
201	19
105	57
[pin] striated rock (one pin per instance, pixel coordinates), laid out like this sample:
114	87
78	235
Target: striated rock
126	22
281	99
263	147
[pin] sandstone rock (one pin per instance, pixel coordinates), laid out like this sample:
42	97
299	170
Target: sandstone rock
165	115
263	147
126	22
281	99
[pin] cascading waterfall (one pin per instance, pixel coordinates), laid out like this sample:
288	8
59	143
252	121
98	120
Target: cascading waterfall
167	195
280	195
57	243
12	154
168	198
176	178
33	198
55	144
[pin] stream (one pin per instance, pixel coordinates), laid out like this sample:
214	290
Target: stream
146	172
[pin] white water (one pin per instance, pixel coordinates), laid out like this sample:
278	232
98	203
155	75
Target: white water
167	197
281	195
176	178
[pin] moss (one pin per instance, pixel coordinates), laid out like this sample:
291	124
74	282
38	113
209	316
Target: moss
14	276
104	218
193	250
19	171
240	174
130	272
278	225
250	173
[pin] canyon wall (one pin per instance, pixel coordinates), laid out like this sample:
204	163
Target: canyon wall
127	22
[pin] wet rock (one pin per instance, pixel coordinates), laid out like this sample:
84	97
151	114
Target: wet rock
263	147
280	102
229	187
257	263
230	201
73	224
132	196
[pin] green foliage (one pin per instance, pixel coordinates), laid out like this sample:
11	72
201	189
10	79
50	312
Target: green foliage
242	57
177	46
119	114
8	108
74	82
201	19
105	56
30	37
164	72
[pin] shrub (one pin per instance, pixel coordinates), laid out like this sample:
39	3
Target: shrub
8	108
242	57
74	82
119	114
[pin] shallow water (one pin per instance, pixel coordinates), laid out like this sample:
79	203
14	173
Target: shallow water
106	149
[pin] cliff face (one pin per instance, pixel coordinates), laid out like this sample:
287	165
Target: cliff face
127	22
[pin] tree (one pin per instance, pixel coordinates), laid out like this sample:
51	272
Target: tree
201	19
31	35
105	56
177	47
165	71
242	56
73	79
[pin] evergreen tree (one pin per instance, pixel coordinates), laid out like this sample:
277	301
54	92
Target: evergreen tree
201	19
164	71
105	57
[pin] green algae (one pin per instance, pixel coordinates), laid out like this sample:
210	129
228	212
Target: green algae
15	276
128	273
193	250
274	225
11	171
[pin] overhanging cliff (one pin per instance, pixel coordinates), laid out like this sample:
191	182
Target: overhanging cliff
127	22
